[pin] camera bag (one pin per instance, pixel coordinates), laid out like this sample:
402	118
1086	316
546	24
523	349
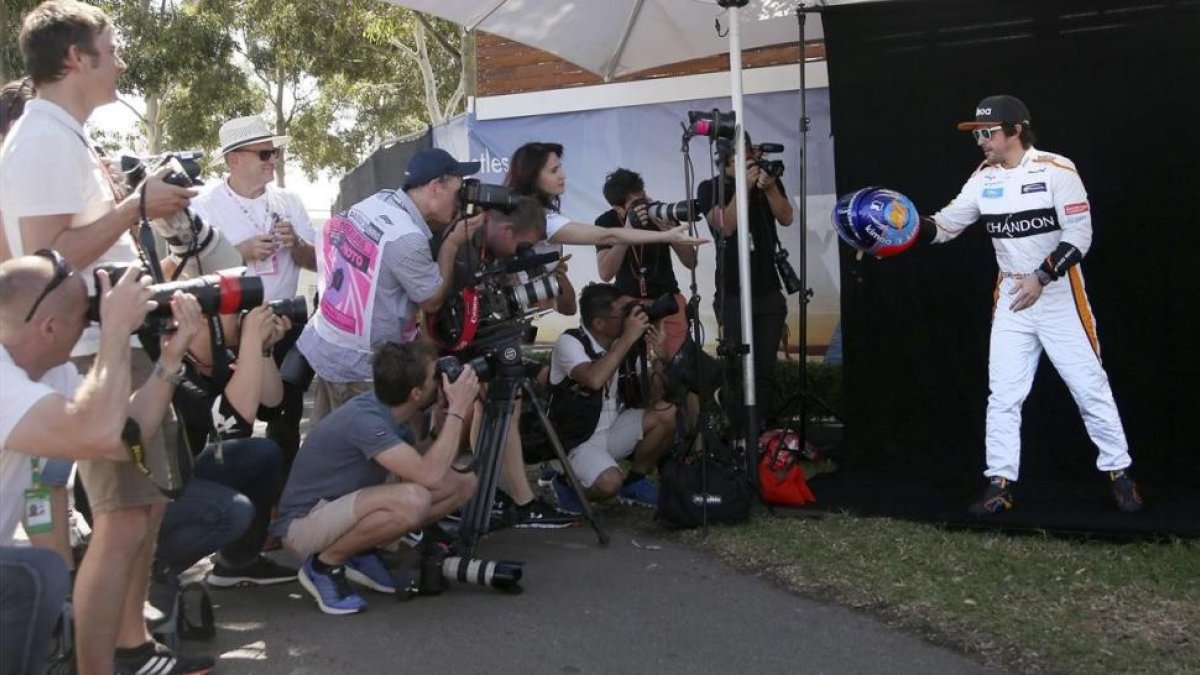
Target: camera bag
703	481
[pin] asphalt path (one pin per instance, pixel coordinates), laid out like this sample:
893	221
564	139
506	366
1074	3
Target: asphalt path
638	606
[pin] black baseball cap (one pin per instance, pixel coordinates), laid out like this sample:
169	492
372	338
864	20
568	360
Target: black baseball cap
995	110
434	163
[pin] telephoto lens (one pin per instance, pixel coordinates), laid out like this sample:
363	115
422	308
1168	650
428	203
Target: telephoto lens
502	575
678	212
219	293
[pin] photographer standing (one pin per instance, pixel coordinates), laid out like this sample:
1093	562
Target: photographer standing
501	236
377	271
48	410
591	407
768	205
57	193
271	230
642	271
358	482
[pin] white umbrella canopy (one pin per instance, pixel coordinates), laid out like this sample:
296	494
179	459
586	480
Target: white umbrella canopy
616	37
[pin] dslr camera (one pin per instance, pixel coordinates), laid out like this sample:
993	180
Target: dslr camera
474	196
657	310
498	299
676	212
186	233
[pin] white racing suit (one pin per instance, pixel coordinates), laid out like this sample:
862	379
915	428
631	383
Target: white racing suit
1038	215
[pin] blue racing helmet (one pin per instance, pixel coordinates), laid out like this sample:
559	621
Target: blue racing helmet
876	220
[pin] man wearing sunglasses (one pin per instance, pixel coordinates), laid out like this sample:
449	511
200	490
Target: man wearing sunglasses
1035	209
56	193
271	230
47	409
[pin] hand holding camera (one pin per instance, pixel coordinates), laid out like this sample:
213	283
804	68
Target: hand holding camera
124	305
164	199
460	392
258	247
462	232
285	234
636	322
258	327
187	321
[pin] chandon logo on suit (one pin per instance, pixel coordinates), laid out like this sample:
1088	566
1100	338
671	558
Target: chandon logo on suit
1022	224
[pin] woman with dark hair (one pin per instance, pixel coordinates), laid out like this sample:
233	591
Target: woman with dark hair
536	170
12	105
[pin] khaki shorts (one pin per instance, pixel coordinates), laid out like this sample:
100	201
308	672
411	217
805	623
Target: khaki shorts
323	525
602	451
113	485
331	395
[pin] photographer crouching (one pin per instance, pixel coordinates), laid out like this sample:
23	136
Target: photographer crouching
607	406
489	308
768	205
358	482
49	410
644	271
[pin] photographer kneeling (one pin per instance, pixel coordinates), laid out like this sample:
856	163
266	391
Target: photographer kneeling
592	406
343	500
230	379
48	410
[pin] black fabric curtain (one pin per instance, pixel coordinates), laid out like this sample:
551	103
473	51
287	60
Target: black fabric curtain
384	169
1111	85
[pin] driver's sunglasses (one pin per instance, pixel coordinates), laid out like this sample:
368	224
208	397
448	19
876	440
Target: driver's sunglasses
985	134
62	272
263	155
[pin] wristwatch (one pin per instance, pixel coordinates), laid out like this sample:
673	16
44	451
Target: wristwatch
1043	276
162	374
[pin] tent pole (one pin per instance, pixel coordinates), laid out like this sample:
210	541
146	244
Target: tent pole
743	241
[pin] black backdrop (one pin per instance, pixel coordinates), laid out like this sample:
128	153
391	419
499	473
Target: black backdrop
1111	85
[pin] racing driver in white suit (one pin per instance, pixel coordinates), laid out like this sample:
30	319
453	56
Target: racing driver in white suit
1036	211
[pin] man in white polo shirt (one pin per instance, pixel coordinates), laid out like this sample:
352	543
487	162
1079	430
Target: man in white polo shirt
55	193
271	230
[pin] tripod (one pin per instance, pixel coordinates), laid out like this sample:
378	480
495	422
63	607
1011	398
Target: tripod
509	378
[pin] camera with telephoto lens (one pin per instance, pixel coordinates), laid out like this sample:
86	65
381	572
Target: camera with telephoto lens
295	308
662	307
485	196
501	300
771	167
676	212
186	234
220	293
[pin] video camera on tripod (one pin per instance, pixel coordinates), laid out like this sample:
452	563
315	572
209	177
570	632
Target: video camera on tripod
497	299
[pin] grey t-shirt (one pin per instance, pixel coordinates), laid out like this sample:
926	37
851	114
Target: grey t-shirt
338	457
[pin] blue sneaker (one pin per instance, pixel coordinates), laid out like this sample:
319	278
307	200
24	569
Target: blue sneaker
568	501
640	492
331	590
367	569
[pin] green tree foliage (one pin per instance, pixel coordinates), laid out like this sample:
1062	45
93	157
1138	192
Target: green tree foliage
11	13
339	76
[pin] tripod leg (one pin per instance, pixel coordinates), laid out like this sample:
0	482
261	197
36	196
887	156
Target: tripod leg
588	513
489	452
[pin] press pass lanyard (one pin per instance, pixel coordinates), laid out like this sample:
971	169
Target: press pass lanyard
38	516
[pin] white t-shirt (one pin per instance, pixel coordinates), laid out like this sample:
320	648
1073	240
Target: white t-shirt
239	219
47	168
569	353
554	223
17	395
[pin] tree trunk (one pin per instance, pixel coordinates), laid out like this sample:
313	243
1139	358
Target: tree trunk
154	123
280	130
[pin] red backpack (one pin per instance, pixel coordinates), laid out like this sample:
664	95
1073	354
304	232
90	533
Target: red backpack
781	479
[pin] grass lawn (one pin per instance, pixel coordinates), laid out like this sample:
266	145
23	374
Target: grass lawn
1022	603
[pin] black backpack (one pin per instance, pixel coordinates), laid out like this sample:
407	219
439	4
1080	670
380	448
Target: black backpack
703	481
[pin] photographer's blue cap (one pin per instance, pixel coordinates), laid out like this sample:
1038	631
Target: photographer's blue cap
434	163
